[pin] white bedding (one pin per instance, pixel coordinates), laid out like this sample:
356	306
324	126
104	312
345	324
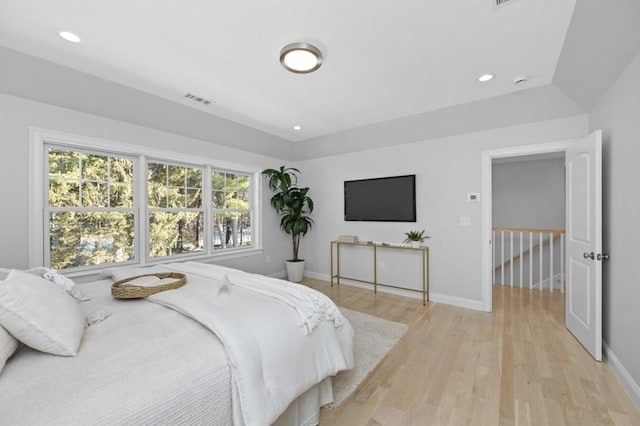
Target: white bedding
156	366
281	338
145	364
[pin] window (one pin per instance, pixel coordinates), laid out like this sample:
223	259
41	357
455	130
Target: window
90	209
231	212
175	215
108	204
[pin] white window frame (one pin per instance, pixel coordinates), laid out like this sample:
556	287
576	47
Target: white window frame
81	209
147	210
213	210
38	223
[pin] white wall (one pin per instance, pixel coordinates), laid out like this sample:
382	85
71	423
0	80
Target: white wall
618	115
529	194
17	115
446	170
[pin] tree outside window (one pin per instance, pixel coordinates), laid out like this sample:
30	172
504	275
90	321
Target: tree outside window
175	214
90	209
231	209
94	198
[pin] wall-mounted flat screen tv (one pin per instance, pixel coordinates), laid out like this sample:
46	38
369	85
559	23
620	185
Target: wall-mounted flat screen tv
387	199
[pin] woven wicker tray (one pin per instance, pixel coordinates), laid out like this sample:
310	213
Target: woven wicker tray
123	290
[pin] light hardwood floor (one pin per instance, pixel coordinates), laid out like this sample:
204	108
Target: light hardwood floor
516	366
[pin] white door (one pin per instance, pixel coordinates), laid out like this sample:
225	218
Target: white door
584	242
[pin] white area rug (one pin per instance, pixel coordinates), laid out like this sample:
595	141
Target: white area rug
374	338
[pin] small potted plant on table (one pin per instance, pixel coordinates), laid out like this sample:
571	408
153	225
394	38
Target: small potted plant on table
415	238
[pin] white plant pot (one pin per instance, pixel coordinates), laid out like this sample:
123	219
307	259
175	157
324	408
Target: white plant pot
295	270
415	244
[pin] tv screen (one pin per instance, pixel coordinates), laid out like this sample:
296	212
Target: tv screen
387	199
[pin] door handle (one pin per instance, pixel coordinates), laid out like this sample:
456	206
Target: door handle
603	256
591	255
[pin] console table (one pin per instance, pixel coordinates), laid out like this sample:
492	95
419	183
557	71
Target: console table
375	247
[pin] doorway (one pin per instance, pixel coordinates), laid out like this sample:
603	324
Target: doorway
488	157
583	174
528	223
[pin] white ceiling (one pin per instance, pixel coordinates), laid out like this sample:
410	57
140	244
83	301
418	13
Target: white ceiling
382	59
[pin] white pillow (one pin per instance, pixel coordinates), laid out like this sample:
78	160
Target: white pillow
40	314
8	345
55	277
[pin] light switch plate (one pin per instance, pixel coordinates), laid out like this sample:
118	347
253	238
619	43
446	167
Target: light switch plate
473	197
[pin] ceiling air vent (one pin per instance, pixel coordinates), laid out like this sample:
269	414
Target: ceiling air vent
200	99
500	3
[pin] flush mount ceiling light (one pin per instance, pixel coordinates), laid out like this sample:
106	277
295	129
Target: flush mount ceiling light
485	77
297	127
300	57
69	36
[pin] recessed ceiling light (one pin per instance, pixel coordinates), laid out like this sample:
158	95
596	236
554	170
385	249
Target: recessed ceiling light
300	58
297	127
69	36
485	77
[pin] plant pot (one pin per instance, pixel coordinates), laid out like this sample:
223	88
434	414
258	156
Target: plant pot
415	244
295	270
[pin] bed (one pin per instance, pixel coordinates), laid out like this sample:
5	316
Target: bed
162	360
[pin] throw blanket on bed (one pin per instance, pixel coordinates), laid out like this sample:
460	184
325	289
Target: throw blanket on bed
311	306
281	338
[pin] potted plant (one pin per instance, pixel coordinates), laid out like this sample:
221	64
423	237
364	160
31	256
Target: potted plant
415	238
293	204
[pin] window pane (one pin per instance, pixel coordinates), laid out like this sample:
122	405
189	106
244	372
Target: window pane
194	198
94	194
64	164
176	176
121	195
157	196
82	239
175	233
218	199
217	180
231	229
244	229
121	170
176	197
94	167
157	173
242	181
63	193
194	178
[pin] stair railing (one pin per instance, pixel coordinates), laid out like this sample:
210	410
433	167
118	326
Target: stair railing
513	242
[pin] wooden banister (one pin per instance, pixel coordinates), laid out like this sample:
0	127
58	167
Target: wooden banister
534	230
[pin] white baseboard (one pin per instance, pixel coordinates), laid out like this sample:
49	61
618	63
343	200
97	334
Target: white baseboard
433	297
623	375
280	274
460	302
317	276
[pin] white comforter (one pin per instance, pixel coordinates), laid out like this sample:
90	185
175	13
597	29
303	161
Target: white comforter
143	365
281	338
